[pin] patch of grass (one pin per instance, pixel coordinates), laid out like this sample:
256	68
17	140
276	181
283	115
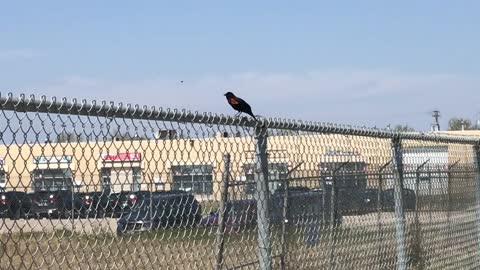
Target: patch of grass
182	248
343	247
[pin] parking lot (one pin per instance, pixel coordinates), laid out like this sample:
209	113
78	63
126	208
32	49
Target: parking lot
109	225
87	226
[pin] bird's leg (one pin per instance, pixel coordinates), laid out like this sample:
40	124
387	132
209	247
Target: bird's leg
238	114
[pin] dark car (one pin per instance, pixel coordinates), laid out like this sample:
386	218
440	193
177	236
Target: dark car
60	203
100	204
14	204
387	199
104	203
159	210
409	199
370	199
238	214
305	205
354	201
88	203
122	202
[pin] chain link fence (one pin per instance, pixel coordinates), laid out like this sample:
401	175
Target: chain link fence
105	186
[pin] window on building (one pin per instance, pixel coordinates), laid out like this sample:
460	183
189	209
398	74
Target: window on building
137	178
197	179
121	179
106	179
2	179
276	173
52	179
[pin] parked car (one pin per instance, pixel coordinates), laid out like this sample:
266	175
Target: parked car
159	210
99	204
238	214
122	202
409	199
88	203
14	204
387	202
370	199
59	203
305	205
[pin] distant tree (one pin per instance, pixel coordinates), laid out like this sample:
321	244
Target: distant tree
403	128
69	137
126	136
284	132
457	123
476	125
165	134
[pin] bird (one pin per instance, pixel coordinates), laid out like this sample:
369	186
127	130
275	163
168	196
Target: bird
239	105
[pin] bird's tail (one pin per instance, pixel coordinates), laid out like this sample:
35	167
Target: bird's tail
251	114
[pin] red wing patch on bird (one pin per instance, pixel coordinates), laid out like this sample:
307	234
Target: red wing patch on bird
233	101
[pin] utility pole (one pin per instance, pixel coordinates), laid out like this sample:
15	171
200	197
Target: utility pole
436	125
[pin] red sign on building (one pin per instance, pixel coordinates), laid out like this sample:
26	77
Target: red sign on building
122	157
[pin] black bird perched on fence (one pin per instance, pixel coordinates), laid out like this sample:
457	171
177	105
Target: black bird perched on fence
239	105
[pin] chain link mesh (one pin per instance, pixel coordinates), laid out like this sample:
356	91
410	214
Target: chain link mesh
126	187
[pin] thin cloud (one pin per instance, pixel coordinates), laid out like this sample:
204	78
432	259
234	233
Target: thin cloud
359	97
16	54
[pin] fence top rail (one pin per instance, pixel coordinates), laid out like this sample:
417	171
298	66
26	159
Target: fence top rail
22	103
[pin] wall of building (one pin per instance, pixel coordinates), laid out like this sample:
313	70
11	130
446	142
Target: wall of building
155	158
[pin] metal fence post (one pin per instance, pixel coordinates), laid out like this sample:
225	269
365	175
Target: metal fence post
334	212
333	201
380	200
430	201
324	194
417	245
399	211
262	198
477	185
221	212
334	195
150	207
285	217
449	189
284	224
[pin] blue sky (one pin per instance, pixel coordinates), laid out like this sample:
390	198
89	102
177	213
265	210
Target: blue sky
354	62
